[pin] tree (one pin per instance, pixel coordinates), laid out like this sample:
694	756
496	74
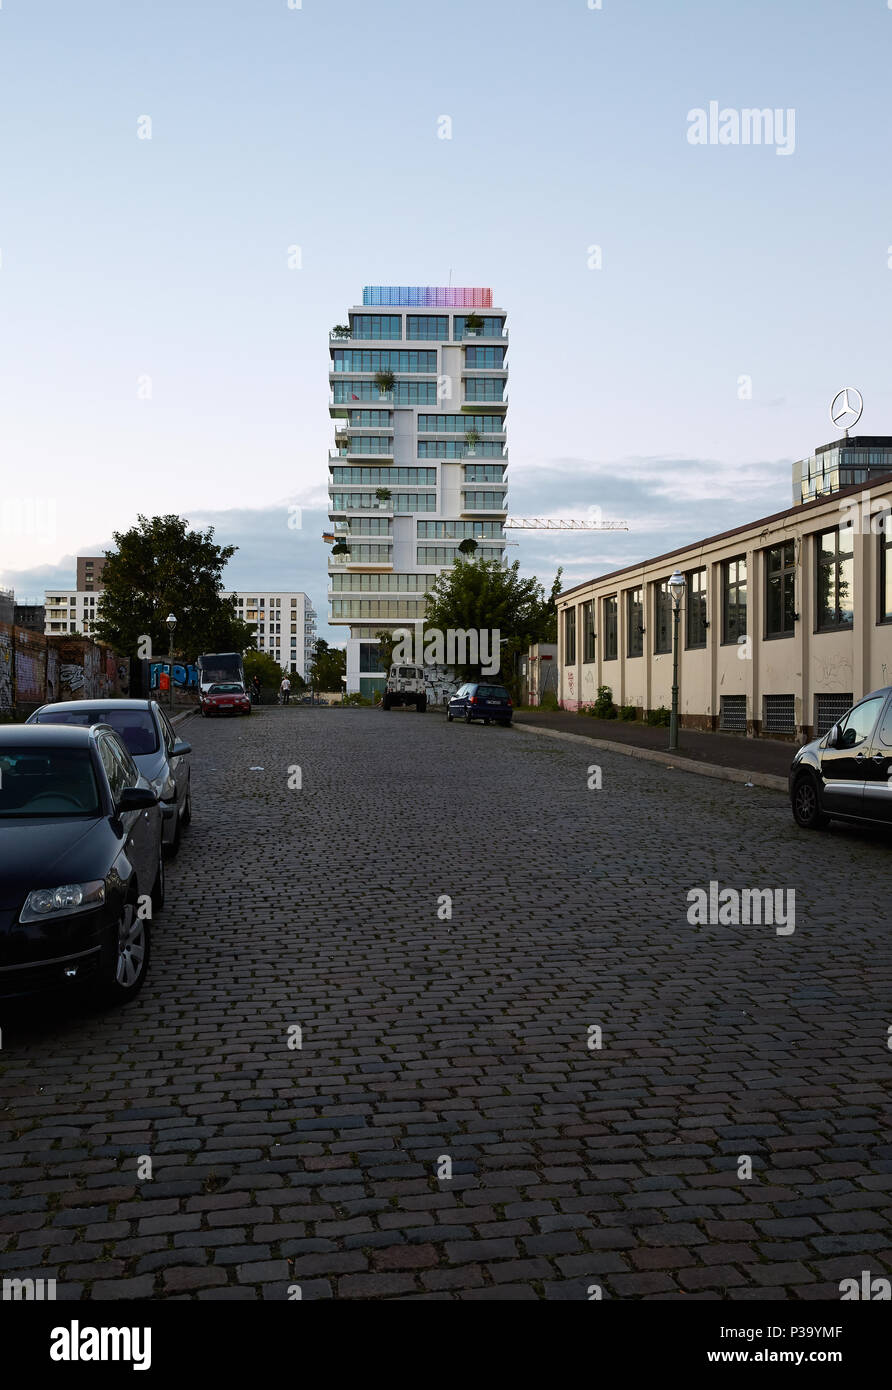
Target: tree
327	666
262	664
386	643
485	594
162	567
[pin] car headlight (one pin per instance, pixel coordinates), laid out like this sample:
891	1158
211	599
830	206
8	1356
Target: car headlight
42	903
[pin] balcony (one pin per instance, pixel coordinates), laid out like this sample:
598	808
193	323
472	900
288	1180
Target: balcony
334	455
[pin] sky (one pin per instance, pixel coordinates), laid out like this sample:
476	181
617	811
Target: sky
680	314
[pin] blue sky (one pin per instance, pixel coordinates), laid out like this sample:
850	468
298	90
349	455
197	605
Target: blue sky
125	259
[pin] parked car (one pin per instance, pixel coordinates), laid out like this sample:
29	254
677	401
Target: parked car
480	700
228	698
80	861
149	738
847	774
405	686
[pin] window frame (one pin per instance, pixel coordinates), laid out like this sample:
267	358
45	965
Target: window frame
733	586
634	630
834	566
701	623
786	571
570	634
589	634
662	595
611	627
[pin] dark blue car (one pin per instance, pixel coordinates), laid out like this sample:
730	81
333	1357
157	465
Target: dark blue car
480	700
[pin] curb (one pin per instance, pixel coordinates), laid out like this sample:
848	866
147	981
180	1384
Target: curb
651	755
183	716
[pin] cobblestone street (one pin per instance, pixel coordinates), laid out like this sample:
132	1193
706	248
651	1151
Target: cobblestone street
428	1038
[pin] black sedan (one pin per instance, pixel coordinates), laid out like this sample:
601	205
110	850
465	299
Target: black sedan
81	869
847	774
480	700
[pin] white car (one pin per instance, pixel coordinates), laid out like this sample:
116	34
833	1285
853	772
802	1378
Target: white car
405	686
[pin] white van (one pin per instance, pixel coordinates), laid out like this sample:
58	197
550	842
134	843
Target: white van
405	686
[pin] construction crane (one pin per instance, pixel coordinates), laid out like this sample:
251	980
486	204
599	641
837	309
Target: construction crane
537	523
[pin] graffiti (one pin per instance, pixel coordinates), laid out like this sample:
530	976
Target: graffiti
184	676
71	680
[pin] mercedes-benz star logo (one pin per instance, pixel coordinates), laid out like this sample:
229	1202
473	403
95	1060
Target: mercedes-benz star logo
846	408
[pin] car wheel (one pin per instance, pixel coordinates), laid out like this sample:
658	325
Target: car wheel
174	845
130	957
468	716
385	703
449	717
187	809
807	804
422	705
158	886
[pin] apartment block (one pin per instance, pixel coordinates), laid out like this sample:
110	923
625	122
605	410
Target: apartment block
284	624
418	396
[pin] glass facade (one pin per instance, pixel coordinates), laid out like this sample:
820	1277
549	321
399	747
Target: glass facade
374	360
483	501
845	464
403	393
485	388
448	554
377	326
433	327
377	608
460	529
387	476
460	424
400	502
458	449
481	356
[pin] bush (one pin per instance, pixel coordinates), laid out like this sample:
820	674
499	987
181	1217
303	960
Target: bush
627	712
549	701
603	708
658	717
354	698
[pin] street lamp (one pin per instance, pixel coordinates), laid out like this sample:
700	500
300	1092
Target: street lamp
171	624
676	589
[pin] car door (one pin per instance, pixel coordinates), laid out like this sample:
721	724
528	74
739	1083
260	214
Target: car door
140	836
844	765
878	779
177	762
458	703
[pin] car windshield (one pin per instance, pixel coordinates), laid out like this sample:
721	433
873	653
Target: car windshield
408	673
225	690
47	782
490	692
135	726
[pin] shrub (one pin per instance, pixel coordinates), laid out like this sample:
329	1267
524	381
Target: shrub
627	712
549	701
659	717
603	708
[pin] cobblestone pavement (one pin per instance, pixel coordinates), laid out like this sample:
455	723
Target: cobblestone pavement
424	1037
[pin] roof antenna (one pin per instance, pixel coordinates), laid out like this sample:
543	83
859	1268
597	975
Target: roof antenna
450	277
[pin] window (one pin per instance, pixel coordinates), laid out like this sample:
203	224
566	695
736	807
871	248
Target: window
492	327
779	714
610	628
884	608
662	618
780	590
833	577
886	727
484	472
370	657
377	326
695	616
829	709
373	360
483	501
732	715
733	600
483	388
588	632
450	530
431	326
483	357
858	725
570	636
459	449
634	622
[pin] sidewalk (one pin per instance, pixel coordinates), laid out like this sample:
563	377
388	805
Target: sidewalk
764	761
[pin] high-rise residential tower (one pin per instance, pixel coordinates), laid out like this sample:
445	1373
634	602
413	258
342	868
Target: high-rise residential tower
419	378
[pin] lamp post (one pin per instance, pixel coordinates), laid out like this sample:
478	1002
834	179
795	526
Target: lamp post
171	624
676	589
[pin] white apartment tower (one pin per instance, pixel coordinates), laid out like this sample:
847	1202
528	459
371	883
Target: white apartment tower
419	379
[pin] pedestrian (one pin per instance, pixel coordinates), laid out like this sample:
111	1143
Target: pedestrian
285	690
255	689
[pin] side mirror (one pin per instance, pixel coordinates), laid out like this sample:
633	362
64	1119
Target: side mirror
136	799
181	747
833	737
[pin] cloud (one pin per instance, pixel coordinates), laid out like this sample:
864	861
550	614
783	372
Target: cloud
667	502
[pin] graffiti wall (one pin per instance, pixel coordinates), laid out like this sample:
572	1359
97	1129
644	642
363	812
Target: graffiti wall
184	677
35	669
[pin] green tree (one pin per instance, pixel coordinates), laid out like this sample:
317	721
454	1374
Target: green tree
161	567
386	644
327	666
262	664
487	594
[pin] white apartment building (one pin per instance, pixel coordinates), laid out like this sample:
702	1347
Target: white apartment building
70	610
419	463
284	623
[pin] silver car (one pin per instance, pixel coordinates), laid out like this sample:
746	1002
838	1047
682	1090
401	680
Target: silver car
148	734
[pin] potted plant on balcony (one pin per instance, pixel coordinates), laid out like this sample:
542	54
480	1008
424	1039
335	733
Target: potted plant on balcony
385	382
340	547
472	439
383	495
473	325
468	546
341	330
